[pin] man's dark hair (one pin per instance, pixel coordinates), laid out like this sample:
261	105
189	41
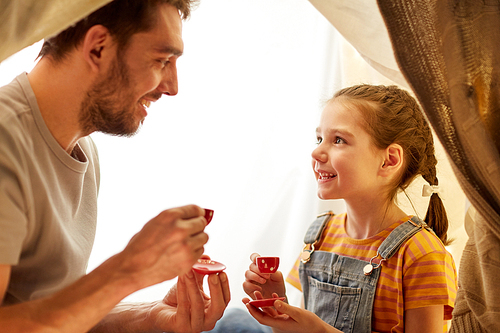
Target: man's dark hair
122	18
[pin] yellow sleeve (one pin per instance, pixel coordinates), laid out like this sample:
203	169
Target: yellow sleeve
293	276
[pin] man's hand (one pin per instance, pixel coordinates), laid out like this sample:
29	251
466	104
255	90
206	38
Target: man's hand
187	308
166	247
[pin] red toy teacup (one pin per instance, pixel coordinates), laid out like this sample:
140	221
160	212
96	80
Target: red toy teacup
209	214
268	264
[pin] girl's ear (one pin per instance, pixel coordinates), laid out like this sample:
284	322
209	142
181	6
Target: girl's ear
393	160
96	45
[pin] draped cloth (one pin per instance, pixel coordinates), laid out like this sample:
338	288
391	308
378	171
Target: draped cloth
449	54
23	23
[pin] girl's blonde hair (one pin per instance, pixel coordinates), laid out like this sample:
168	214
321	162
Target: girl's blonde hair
392	115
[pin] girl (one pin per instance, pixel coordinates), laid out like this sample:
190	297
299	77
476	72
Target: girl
372	268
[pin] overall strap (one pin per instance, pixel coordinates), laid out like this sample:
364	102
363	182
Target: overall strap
394	241
313	235
400	235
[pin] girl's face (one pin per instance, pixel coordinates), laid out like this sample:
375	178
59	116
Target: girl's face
346	163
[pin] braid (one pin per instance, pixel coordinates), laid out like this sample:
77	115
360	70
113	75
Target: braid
392	115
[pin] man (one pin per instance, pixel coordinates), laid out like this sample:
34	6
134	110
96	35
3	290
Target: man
99	75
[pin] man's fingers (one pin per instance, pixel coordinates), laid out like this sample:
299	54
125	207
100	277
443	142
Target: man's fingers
196	301
217	302
183	313
225	287
184	212
196	241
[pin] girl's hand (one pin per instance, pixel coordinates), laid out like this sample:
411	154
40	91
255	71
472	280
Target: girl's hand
265	283
289	318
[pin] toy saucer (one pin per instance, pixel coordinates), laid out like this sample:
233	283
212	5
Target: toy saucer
206	266
265	302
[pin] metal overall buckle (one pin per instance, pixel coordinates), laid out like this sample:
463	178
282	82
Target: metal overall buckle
368	269
305	256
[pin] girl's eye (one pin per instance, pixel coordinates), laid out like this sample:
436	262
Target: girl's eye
319	140
339	140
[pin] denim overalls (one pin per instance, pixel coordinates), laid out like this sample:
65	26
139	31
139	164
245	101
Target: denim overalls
340	290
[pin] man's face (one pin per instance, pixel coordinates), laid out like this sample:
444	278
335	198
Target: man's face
140	74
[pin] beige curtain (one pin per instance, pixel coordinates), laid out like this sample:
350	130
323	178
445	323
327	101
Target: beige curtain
449	53
24	22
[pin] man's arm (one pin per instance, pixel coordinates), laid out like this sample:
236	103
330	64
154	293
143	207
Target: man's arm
74	309
166	247
186	308
4	280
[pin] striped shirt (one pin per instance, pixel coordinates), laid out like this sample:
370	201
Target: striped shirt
422	273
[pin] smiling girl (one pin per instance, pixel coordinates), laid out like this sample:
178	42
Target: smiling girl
373	268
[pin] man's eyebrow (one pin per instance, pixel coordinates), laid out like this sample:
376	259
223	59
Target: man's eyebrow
169	50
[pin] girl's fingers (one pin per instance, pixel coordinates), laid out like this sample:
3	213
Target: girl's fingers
250	288
252	276
254	256
258	295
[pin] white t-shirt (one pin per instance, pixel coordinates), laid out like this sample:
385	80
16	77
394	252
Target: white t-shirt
48	199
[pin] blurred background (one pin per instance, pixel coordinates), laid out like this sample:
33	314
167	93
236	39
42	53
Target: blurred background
237	139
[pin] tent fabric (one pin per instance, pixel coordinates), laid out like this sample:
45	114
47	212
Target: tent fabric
449	53
361	24
23	23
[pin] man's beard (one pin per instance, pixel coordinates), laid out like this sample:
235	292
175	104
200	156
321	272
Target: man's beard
108	106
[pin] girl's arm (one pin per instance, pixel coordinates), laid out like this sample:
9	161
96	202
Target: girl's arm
291	319
427	319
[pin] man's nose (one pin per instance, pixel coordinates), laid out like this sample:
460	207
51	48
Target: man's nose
168	84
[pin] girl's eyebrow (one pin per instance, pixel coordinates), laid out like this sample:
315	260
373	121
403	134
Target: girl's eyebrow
341	131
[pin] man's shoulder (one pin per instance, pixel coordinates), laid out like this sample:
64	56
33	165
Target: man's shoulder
13	102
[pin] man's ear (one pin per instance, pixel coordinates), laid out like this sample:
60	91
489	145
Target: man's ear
393	160
96	44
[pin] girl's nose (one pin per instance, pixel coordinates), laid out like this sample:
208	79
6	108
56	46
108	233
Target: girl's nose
318	154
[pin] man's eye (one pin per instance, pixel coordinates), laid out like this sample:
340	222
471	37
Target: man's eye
163	62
